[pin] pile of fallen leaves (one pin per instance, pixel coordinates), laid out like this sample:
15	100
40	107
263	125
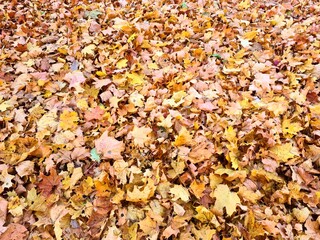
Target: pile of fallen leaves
159	119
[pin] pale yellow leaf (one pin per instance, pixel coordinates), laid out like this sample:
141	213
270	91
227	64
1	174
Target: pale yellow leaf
180	192
225	199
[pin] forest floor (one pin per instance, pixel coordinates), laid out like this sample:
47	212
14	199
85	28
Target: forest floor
159	120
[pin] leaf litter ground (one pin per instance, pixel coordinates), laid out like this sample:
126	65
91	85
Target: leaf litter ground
159	119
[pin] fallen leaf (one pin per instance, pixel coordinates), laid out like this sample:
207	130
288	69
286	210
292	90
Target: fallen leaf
283	152
143	193
225	199
180	192
51	183
68	120
109	147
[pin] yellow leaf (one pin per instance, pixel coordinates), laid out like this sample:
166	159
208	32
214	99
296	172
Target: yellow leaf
89	50
153	66
101	74
230	134
132	231
249	195
198	188
231	174
178	168
61	60
203	214
135	79
204	233
136	99
118	197
82	104
148	226
301	214
264	176
141	136
315	109
250	35
132	37
184	137
283	152
120	24
230	70
141	194
225	199
76	176
57	230
36	202
240	54
180	192
245	4
63	50
122	63
290	128
120	168
68	120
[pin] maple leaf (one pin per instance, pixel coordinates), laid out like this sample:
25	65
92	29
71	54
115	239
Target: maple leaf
283	152
180	192
122	63
135	79
148	226
198	188
15	231
203	214
290	128
68	120
94	155
94	14
143	193
94	114
184	138
225	199
75	78
6	178
109	147
204	233
141	135
36	202
51	183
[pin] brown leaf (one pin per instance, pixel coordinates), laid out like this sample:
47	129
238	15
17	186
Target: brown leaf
50	183
15	231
